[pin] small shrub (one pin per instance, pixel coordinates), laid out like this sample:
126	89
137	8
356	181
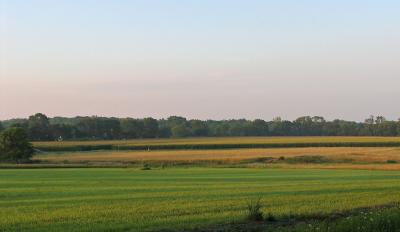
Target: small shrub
270	218
314	159
146	166
391	161
254	212
263	159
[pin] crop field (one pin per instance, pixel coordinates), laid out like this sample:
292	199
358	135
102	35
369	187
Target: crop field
196	183
332	154
219	143
127	199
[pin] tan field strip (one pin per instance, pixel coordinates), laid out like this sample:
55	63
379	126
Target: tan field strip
353	154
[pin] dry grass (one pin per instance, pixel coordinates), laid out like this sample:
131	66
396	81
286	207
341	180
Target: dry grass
339	154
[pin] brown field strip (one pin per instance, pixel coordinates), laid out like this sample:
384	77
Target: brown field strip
339	154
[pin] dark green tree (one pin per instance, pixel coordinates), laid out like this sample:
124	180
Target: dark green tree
63	131
131	128
175	121
39	127
150	129
180	131
198	128
398	127
15	145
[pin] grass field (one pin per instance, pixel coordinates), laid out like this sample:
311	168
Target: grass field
136	200
190	185
219	143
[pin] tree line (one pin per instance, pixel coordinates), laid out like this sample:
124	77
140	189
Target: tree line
39	127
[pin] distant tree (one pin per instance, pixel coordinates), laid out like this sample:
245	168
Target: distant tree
281	128
304	126
221	129
237	127
179	131
87	128
22	122
198	128
331	128
348	128
164	132
386	128
257	127
368	126
398	127
39	127
176	120
1	127
380	119
370	120
63	131
15	145
109	128
23	125
132	128
99	128
150	129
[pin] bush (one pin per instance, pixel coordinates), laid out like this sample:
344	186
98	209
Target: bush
146	166
270	218
314	159
15	146
254	212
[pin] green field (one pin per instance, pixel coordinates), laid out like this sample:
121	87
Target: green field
136	200
220	143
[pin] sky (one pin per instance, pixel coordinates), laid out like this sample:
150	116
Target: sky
202	59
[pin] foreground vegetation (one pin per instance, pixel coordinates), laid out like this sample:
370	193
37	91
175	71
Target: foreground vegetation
366	220
158	192
179	198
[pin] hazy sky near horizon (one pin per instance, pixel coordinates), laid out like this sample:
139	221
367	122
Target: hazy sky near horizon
201	59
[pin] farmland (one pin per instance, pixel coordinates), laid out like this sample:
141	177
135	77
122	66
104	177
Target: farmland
178	198
220	143
183	184
334	154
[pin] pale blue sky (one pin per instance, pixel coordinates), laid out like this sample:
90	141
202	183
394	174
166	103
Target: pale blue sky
200	59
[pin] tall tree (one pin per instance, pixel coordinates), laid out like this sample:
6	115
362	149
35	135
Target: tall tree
180	131
132	128
39	127
150	129
198	128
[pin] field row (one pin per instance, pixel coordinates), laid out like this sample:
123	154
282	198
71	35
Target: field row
219	143
315	155
137	200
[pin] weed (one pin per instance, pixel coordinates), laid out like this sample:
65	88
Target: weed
254	212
